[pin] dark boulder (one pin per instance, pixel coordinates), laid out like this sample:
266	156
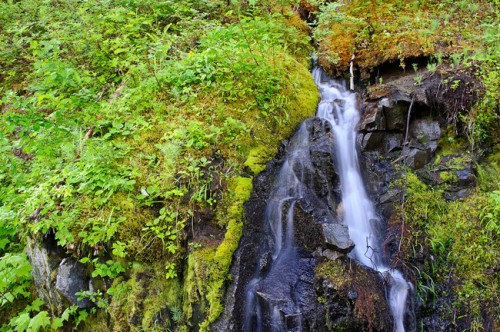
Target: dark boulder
336	237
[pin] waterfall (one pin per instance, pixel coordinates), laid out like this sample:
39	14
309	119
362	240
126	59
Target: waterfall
338	106
286	260
280	296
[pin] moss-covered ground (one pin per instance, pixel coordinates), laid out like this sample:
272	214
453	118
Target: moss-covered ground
429	37
130	128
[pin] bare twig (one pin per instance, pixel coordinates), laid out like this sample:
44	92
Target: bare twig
248	43
405	178
88	135
351	71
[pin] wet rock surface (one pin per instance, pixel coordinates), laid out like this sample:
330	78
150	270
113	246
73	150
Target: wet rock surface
337	237
71	279
319	237
436	158
353	297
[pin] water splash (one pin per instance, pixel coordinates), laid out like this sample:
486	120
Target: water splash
338	106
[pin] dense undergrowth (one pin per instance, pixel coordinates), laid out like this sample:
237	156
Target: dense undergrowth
450	245
125	127
453	250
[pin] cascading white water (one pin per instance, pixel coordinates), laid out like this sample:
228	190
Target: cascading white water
287	190
338	106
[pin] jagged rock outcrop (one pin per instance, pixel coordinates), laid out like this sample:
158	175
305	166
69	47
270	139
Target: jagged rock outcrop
405	124
402	123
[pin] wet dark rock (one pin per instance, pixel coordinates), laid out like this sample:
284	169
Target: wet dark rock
455	195
466	177
462	184
352	295
418	158
285	286
387	201
353	298
287	283
393	142
331	254
373	141
373	119
395	114
308	232
424	134
457	181
135	319
71	279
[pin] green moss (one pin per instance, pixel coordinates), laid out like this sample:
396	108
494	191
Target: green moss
489	173
414	185
298	100
146	300
258	157
333	271
447	176
393	31
462	238
450	143
208	268
470	243
97	321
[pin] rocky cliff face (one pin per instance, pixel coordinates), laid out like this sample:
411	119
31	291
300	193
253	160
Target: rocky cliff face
402	124
57	276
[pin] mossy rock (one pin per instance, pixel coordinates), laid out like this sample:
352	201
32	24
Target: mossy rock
208	268
146	300
359	290
394	31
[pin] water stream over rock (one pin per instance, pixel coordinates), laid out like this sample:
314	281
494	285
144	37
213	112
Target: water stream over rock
338	106
313	202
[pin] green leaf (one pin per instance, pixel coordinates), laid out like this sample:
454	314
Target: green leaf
35	305
41	320
84	260
57	323
21	322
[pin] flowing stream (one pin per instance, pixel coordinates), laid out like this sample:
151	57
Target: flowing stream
338	106
283	310
286	258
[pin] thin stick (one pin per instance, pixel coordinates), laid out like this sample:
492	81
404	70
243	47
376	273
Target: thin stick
405	174
351	71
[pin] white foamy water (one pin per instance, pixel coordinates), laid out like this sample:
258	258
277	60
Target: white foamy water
338	106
